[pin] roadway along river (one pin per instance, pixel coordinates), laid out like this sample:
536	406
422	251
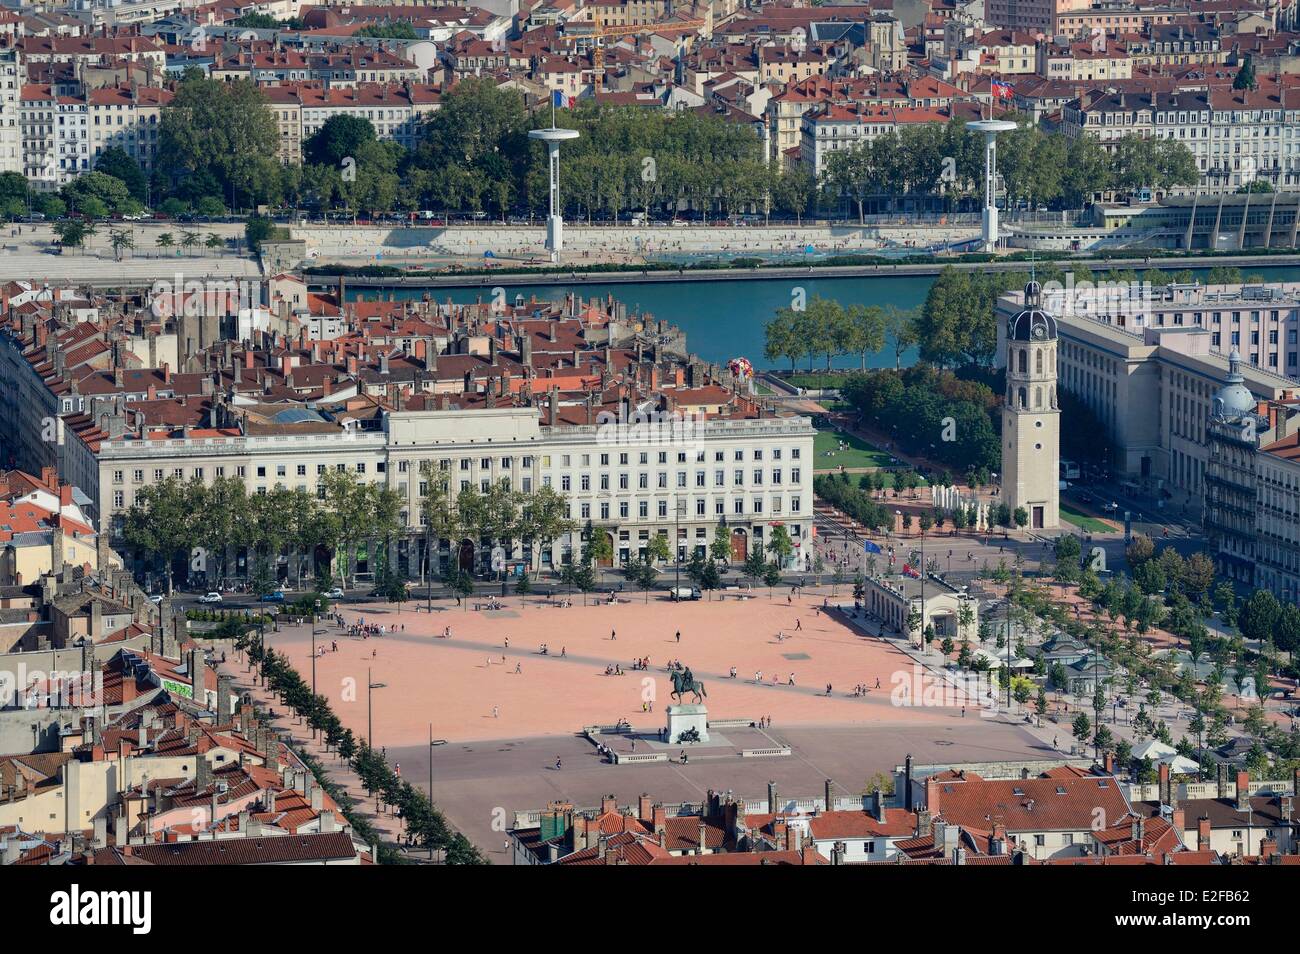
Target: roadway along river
724	319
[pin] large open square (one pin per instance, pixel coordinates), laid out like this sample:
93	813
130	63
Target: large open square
489	678
508	713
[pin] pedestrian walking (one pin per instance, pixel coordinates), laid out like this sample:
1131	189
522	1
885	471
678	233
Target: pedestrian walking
557	763
798	624
496	712
679	635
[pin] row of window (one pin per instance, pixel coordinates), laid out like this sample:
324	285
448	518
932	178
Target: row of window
775	476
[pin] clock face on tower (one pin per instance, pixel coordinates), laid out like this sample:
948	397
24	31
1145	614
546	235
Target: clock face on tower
1039	331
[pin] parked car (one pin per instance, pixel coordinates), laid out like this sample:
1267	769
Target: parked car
1111	507
334	593
684	592
275	597
213	597
156	598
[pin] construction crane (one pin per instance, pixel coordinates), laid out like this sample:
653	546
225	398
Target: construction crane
600	33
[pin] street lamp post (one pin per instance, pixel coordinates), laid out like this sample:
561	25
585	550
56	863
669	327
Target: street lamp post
433	743
990	129
371	686
552	137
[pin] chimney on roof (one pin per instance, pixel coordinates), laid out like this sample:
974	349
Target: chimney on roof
1203	831
202	772
932	789
224	685
1243	790
771	798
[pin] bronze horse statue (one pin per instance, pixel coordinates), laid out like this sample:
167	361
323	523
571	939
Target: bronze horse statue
684	682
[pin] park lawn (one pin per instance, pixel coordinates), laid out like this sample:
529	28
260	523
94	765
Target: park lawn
858	454
816	381
1083	521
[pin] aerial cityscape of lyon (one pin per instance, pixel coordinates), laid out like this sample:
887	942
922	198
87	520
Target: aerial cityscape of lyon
637	433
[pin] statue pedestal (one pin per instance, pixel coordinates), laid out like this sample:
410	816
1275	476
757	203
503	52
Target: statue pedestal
686	717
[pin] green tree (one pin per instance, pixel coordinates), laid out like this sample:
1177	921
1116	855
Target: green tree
218	138
163	521
72	233
1081	727
1259	616
1245	78
120	240
720	546
780	545
115	162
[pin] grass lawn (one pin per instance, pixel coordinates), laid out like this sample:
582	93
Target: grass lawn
857	454
816	380
1083	521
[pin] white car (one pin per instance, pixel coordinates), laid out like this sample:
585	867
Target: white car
1111	507
335	593
210	598
156	598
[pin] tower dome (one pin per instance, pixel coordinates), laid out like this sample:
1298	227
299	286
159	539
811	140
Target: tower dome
1234	399
1032	323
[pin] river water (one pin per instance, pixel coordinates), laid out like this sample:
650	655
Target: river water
725	319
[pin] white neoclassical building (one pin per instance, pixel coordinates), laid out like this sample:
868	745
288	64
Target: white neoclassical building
631	483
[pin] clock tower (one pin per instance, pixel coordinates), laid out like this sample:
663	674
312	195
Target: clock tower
1031	419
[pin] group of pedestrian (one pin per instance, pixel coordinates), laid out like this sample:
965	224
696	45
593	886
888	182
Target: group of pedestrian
366	630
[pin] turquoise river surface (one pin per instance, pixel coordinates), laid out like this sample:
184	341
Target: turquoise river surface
725	319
